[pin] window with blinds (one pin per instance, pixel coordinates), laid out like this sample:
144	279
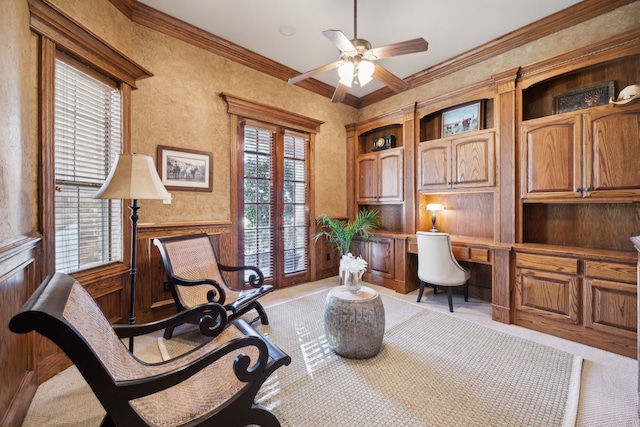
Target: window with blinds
258	199
295	203
87	128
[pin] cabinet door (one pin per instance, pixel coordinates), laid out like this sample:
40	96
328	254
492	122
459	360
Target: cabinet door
549	287
434	165
390	172
473	161
551	295
381	257
610	299
551	157
367	170
613	153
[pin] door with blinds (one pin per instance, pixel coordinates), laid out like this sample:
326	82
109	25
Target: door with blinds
274	213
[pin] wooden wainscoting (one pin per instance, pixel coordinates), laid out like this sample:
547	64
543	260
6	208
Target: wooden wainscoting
19	272
152	301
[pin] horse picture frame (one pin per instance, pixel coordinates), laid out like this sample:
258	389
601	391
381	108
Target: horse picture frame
182	169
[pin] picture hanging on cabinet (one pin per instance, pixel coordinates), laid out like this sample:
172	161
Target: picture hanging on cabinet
584	97
462	119
184	169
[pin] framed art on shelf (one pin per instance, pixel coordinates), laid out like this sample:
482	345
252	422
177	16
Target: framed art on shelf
182	169
463	119
584	97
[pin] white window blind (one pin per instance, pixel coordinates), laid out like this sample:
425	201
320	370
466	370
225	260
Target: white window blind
258	199
295	203
87	119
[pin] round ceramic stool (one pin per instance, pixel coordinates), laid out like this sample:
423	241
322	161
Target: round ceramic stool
354	322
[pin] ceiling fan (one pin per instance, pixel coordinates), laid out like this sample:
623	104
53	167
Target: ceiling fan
356	61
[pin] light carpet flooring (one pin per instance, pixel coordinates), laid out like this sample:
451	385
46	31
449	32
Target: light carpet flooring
608	395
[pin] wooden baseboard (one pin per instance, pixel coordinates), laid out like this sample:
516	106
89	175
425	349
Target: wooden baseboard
21	400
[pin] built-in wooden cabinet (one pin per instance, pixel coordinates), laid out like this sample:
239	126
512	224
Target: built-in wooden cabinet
579	182
583	297
591	154
380	177
461	162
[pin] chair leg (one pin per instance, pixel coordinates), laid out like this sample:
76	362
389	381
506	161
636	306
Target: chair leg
450	297
422	284
465	289
168	333
263	314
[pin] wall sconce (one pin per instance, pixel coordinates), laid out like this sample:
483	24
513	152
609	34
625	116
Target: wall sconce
434	207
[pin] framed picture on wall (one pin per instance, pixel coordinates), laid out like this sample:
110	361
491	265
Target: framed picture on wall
584	97
463	119
182	169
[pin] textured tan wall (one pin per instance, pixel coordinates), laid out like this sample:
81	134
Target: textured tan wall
18	95
180	106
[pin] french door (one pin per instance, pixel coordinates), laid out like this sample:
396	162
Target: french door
273	199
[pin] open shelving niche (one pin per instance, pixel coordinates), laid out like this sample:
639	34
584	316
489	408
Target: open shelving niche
459	172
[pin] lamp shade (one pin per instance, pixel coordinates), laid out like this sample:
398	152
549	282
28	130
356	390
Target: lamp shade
365	72
345	71
435	207
133	177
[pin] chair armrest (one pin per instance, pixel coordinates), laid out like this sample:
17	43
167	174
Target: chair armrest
189	364
252	279
250	297
218	296
211	319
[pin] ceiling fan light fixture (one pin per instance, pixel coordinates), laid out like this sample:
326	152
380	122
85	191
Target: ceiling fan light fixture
346	72
365	72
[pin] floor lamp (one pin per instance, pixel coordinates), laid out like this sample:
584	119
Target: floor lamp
133	177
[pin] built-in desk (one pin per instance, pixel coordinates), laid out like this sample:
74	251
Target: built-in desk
489	262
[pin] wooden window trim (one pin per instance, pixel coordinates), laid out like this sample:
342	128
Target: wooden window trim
59	33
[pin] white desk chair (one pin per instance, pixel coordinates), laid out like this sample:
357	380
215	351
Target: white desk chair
438	267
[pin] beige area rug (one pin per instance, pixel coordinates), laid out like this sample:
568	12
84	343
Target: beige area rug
433	370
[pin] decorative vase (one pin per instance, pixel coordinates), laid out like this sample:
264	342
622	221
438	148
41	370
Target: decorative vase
352	280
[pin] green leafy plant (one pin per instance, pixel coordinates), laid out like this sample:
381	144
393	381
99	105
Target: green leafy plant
341	232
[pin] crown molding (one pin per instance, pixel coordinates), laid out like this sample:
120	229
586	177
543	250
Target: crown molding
573	15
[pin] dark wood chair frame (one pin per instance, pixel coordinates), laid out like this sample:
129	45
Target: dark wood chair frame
217	294
53	312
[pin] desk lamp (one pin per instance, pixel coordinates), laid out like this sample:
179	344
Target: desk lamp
434	207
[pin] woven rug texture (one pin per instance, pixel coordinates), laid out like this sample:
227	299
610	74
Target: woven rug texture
433	370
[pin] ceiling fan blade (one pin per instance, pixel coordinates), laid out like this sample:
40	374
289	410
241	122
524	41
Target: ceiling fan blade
402	48
340	93
296	79
341	41
385	76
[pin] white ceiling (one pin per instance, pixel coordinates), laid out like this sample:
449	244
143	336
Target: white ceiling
451	27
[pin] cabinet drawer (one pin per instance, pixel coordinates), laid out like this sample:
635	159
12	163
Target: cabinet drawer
547	263
460	252
480	255
611	271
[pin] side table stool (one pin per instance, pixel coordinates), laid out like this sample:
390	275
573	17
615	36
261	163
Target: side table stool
354	322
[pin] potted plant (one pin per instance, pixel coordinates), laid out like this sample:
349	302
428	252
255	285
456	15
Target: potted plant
341	233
